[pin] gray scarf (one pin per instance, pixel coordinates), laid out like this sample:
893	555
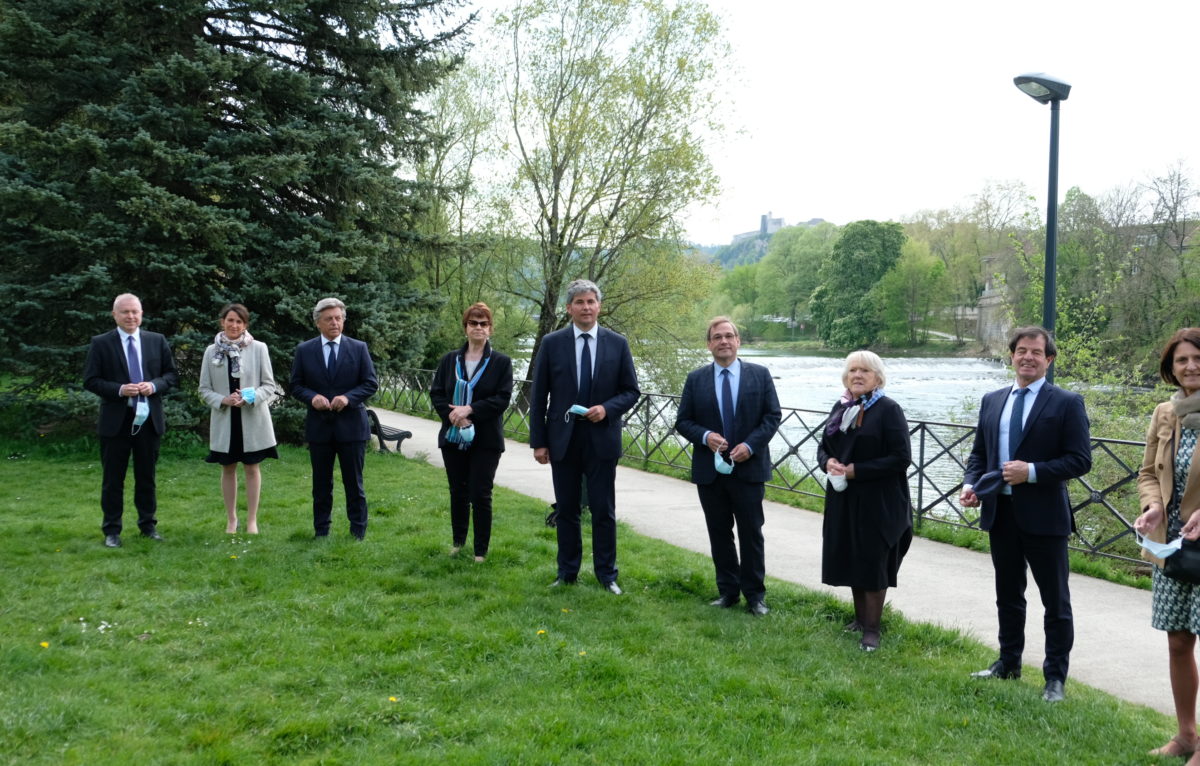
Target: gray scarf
1187	409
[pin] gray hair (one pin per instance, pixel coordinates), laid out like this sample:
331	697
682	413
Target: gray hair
868	359
328	303
580	286
123	297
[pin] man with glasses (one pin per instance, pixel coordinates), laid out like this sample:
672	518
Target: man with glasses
129	369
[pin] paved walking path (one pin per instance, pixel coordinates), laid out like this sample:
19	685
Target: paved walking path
1116	650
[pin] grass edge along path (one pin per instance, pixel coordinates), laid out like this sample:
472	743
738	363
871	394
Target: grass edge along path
280	649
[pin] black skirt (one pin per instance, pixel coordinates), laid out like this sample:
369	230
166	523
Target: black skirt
236	453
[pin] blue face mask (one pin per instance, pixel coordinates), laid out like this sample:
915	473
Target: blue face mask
1160	550
248	395
467	434
141	412
721	464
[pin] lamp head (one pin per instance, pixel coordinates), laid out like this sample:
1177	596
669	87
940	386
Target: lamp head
1042	88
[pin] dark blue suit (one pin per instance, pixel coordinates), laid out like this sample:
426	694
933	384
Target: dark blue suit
739	495
342	435
105	371
579	447
1033	524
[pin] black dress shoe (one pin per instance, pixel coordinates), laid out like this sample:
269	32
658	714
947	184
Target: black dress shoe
1054	692
561	581
758	608
153	535
997	670
112	541
724	602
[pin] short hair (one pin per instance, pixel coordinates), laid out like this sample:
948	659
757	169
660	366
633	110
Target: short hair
868	359
237	308
720	320
477	309
1166	364
328	303
125	296
580	286
1032	331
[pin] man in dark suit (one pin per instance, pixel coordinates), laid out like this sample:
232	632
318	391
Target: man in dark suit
334	375
129	369
592	367
729	411
1036	436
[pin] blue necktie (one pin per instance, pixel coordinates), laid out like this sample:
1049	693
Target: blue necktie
135	367
585	373
331	363
1016	421
727	421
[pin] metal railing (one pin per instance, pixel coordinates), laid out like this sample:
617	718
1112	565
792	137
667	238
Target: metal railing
1099	500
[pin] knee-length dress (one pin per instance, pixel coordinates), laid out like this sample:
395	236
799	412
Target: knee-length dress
1175	605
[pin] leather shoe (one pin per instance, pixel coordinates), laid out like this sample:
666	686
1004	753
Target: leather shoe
758	608
997	670
724	602
112	541
613	588
561	582
153	535
1054	692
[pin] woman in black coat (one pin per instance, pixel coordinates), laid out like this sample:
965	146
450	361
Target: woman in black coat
470	391
868	523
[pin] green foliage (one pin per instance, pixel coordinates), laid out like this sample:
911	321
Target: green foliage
276	649
910	295
790	271
195	153
845	315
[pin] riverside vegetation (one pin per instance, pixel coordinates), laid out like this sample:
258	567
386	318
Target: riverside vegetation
211	648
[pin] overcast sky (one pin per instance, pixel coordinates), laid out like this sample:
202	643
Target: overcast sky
873	109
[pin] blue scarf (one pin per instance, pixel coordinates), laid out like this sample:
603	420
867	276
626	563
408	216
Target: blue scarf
464	390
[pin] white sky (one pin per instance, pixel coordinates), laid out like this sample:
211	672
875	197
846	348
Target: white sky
875	109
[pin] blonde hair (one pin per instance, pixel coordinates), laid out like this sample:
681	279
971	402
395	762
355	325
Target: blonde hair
868	359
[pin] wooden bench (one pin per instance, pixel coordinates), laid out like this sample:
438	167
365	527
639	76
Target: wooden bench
386	434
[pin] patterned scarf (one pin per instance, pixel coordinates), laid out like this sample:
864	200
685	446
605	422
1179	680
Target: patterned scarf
231	349
464	390
848	412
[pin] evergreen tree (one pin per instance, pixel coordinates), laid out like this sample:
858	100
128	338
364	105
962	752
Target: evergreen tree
197	152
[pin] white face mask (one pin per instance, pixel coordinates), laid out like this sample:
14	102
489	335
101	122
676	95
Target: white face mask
838	482
1160	550
721	464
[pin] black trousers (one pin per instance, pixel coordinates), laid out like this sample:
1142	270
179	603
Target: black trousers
351	457
568	474
727	501
471	474
115	452
1046	556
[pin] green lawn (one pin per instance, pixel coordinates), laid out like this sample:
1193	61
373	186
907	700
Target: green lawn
280	649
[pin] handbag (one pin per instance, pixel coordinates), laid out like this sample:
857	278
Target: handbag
1184	564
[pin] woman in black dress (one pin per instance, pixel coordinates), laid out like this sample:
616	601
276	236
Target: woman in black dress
237	383
470	391
868	524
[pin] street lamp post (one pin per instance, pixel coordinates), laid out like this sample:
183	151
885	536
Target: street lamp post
1048	90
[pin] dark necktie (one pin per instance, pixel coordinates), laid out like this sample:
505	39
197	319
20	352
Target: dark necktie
1016	422
331	364
135	366
585	373
727	421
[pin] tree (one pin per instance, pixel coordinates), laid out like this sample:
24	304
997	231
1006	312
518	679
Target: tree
605	103
197	152
788	273
841	306
910	295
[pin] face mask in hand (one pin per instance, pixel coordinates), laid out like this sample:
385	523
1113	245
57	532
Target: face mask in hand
1160	550
721	464
141	412
837	482
248	395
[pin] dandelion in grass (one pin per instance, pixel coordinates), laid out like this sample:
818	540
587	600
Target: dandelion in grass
392	699
565	610
45	644
583	654
232	556
541	632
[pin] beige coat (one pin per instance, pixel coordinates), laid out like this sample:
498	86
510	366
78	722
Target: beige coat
1156	479
257	431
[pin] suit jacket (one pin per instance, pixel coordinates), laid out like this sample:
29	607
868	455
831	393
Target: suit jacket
354	378
757	418
258	433
488	402
1156	478
106	370
556	383
1056	437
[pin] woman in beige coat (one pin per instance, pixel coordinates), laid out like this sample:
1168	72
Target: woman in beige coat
1169	488
238	385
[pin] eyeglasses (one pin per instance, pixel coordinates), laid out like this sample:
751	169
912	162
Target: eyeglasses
477	323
